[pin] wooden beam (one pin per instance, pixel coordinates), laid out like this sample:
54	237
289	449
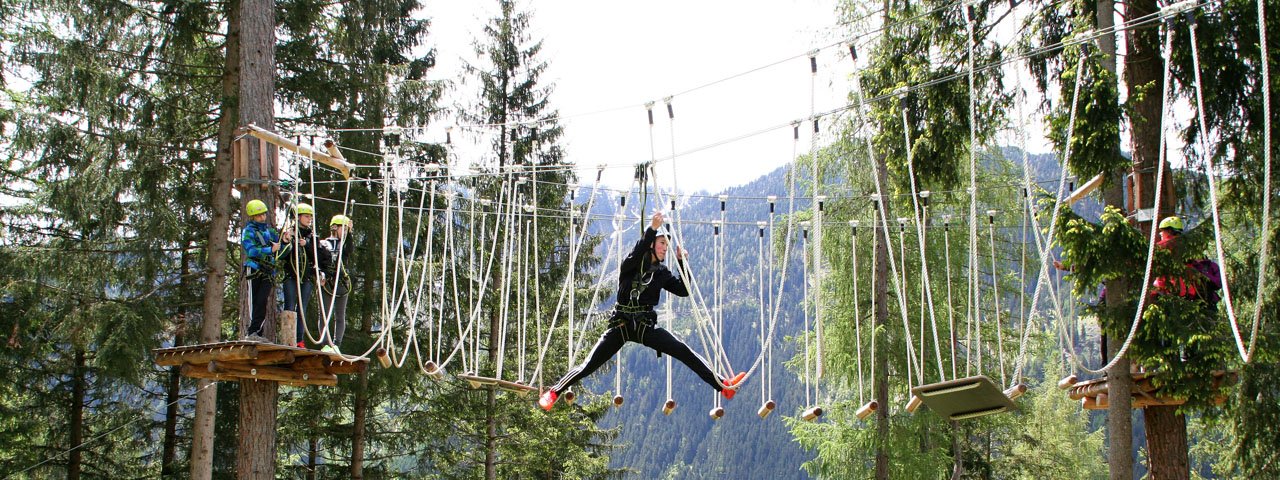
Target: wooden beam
274	357
323	157
1085	189
312	362
206	355
275	374
347	368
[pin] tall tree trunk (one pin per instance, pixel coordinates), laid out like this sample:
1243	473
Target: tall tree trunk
256	455
256	452
491	403
880	297
76	416
361	408
1119	414
313	451
216	247
1167	443
1166	429
168	457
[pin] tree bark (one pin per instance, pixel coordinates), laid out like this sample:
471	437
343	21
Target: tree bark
256	452
1167	443
1119	415
169	456
880	299
313	450
361	408
216	247
1166	430
76	417
256	455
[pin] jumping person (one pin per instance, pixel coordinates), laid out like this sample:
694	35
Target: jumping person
641	280
300	263
335	286
260	242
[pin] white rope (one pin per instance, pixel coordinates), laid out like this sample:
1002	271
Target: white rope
884	225
1246	353
951	321
995	299
926	281
857	311
1264	249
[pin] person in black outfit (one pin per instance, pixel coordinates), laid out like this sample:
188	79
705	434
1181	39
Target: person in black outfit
640	283
301	264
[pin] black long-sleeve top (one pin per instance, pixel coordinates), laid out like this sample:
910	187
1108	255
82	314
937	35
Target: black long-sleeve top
302	263
657	277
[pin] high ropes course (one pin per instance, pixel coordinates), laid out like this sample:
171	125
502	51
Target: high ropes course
470	303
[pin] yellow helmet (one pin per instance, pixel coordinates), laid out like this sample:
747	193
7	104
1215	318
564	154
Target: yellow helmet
255	208
303	209
340	219
1174	223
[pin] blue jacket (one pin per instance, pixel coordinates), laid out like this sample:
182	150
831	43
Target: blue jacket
256	240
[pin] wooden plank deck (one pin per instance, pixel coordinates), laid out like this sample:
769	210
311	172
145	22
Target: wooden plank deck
246	360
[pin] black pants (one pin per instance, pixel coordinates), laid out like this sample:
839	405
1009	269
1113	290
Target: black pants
260	290
645	334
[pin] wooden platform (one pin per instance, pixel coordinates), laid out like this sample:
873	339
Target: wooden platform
964	398
245	360
478	382
1092	394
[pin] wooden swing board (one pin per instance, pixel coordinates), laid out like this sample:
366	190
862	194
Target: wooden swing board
478	382
240	359
964	398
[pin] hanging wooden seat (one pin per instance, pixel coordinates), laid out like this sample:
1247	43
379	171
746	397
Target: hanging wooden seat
478	382
246	360
965	398
1093	394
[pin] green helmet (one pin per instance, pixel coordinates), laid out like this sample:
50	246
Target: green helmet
1174	223
255	208
340	219
303	209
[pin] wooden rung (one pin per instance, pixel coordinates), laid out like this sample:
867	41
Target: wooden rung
1068	382
1015	391
914	404
570	397
811	414
866	410
766	409
433	371
1088	186
668	407
717	413
617	401
383	358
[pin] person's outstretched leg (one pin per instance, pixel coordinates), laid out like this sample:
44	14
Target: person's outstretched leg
663	341
606	347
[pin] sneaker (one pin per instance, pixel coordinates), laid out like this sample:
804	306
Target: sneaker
731	385
548	400
328	349
302	345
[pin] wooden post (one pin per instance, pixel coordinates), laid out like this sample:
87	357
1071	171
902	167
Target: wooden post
288	328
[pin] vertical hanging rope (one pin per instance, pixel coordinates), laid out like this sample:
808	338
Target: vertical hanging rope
857	307
974	299
806	304
995	295
951	321
760	288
